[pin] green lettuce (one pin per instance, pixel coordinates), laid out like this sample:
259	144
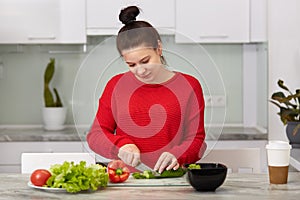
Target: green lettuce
77	177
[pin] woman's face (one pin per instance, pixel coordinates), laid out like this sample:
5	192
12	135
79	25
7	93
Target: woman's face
144	63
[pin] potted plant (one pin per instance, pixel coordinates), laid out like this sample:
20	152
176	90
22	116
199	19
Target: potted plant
54	114
289	112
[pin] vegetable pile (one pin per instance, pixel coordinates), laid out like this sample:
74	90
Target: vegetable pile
76	177
165	174
194	166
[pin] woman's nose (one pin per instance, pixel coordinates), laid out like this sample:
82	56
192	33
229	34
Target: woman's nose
140	70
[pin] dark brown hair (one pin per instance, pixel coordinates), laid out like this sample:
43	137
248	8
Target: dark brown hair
135	33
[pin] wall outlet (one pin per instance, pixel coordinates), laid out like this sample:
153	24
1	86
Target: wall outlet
215	101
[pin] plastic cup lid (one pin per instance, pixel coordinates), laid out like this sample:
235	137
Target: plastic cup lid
277	144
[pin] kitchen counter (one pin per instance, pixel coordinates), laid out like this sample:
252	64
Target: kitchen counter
38	134
73	134
236	186
295	159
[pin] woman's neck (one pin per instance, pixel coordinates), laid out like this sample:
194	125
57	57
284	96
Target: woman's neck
164	76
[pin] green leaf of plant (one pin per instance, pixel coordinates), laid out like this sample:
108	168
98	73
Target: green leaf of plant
48	97
292	110
281	84
298	96
275	103
289	114
48	75
281	98
58	102
49	72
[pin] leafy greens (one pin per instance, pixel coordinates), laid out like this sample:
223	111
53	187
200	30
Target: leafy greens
77	177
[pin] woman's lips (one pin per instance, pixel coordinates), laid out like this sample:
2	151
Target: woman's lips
145	76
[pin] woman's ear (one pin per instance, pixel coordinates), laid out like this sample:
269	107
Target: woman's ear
159	47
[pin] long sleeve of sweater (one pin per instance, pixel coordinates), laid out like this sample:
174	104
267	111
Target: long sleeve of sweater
102	137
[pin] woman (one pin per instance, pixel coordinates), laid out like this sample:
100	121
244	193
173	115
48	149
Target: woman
149	114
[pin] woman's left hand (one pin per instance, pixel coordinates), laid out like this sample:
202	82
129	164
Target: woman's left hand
166	161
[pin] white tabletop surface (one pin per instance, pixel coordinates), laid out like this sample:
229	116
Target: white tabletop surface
236	186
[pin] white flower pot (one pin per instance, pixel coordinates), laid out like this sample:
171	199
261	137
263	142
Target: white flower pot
54	118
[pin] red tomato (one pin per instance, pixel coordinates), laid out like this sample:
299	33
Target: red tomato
39	177
117	171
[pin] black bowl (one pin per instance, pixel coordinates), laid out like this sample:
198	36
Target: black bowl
208	178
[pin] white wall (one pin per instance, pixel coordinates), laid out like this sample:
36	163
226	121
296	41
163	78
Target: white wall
23	70
284	54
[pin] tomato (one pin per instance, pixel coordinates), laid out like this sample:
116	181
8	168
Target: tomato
39	177
117	171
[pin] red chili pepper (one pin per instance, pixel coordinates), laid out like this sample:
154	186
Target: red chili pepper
117	171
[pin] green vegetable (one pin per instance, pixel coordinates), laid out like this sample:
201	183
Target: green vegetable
165	174
143	175
194	166
77	177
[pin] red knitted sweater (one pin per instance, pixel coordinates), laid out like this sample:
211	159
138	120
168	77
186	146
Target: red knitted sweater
155	117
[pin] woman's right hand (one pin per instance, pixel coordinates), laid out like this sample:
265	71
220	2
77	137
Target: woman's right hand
130	154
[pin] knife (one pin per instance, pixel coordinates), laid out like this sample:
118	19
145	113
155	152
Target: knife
142	167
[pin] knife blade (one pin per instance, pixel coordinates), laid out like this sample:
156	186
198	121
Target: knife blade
142	167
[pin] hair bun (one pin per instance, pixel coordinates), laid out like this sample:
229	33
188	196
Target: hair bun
129	14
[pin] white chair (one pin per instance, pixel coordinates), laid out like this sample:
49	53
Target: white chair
33	161
240	160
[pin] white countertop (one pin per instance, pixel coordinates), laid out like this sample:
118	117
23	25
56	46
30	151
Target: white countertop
236	186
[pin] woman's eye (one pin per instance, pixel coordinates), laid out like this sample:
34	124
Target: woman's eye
145	61
131	65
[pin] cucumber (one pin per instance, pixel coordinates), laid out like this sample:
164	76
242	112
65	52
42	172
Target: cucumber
165	174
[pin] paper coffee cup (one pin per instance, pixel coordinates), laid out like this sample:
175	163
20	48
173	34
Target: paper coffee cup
278	153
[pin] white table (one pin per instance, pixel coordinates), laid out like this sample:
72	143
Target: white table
236	186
